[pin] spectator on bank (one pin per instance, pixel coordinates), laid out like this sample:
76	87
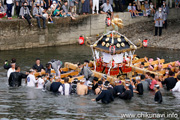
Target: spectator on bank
37	12
79	6
138	4
85	7
168	3
130	9
46	4
9	8
165	9
95	4
65	12
49	12
118	5
159	19
134	10
143	9
2	11
57	12
73	6
18	7
177	3
54	6
146	5
106	8
30	4
25	13
152	9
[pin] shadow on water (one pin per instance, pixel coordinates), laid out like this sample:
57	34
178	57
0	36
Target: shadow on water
24	103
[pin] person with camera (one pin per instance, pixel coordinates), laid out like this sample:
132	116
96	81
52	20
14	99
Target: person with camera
37	13
159	20
25	13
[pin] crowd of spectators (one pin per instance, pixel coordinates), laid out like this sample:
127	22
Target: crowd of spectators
46	9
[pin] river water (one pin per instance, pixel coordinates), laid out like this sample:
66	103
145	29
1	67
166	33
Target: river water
30	103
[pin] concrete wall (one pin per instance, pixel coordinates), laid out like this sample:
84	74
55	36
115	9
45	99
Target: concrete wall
16	34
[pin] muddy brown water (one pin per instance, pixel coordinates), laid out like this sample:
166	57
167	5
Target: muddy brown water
30	103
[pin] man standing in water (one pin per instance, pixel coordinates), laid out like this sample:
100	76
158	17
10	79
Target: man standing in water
12	69
56	65
81	88
16	77
127	95
177	86
88	74
31	80
159	20
105	96
38	66
158	95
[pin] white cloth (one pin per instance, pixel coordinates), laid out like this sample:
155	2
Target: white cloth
31	80
97	54
106	57
40	83
118	58
95	4
177	87
10	71
66	89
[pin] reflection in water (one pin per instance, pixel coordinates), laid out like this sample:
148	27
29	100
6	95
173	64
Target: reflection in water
32	103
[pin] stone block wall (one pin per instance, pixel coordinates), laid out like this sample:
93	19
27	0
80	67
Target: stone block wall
16	34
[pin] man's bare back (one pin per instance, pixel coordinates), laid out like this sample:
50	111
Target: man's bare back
82	89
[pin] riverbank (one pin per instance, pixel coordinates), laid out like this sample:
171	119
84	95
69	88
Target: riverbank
16	34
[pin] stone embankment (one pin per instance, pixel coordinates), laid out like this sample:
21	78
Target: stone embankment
16	34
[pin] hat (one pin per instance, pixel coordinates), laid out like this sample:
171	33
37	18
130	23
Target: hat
100	82
31	70
86	61
106	84
127	80
95	79
104	76
57	77
50	76
89	84
75	79
83	80
116	81
156	86
137	78
54	2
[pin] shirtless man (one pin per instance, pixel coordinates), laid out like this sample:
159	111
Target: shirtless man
81	88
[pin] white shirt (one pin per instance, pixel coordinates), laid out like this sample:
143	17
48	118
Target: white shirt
40	83
9	1
10	71
66	89
31	80
177	87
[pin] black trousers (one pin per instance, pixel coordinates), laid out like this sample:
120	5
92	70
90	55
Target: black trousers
160	30
27	17
165	24
17	10
38	21
118	5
